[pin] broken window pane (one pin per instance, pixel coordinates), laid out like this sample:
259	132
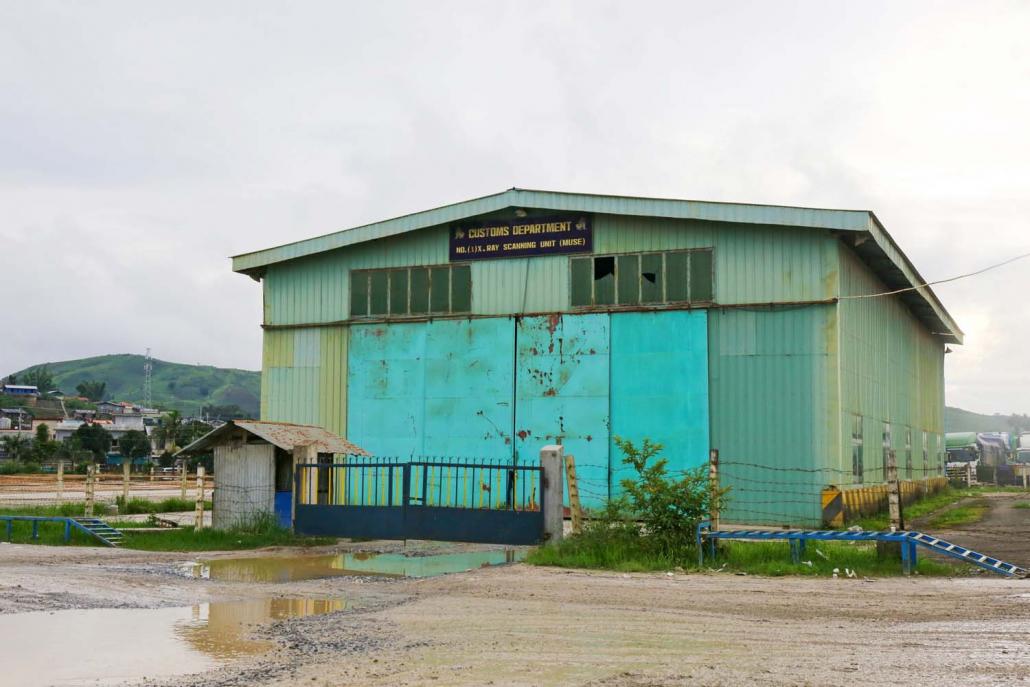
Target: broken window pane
604	280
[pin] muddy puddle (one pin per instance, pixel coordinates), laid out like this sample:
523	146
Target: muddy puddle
74	647
295	568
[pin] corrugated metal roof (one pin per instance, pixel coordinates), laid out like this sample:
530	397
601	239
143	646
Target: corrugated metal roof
282	434
888	262
844	220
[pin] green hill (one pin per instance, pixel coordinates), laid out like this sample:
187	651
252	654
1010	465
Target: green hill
958	420
186	388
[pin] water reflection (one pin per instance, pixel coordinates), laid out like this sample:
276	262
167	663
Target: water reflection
292	569
110	646
222	630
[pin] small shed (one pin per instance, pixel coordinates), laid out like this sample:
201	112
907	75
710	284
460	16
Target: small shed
253	465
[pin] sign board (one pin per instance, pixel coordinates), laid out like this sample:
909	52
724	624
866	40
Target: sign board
521	237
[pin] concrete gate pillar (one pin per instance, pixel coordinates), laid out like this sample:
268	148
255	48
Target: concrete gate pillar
552	461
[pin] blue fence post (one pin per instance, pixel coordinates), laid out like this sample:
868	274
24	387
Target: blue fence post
67	530
10	530
906	560
35	530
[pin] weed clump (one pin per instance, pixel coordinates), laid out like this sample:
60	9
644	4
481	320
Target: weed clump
650	526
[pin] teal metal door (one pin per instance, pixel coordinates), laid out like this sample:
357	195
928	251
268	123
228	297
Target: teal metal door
440	388
386	388
468	383
659	386
561	394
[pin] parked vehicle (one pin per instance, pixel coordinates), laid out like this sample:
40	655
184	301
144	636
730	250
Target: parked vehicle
1023	448
962	448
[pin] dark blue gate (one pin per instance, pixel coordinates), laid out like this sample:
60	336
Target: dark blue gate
474	501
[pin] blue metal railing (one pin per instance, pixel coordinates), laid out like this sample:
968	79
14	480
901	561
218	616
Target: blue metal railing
92	527
909	542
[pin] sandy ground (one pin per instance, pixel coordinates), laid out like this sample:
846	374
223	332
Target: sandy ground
521	625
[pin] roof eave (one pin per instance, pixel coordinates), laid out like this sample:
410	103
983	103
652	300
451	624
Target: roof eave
846	220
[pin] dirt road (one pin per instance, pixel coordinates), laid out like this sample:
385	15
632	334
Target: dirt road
520	625
1004	532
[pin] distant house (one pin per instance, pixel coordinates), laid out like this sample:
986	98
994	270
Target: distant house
117	408
20	390
18	418
65	428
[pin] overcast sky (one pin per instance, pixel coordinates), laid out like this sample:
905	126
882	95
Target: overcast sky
143	143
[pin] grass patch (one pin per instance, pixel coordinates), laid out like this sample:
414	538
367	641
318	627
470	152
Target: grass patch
137	506
263	532
754	558
50	533
773	559
924	507
962	515
1021	504
65	510
594	551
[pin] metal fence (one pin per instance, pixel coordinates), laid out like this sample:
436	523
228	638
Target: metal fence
471	483
449	500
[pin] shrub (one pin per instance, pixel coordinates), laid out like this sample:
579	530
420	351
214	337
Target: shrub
650	527
668	507
15	467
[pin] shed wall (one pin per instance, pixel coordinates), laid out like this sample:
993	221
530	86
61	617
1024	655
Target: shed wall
244	483
892	371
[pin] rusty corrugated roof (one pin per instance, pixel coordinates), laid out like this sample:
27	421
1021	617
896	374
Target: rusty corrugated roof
282	434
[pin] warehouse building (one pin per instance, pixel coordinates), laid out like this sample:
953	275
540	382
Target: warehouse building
492	327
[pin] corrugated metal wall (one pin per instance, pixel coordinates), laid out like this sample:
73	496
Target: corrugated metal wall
304	377
773	408
891	372
246	486
753	264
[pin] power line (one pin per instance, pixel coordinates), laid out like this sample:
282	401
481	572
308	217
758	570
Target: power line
939	281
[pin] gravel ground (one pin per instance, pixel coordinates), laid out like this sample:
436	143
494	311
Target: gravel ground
521	625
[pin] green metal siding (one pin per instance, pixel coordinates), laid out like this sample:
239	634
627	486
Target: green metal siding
752	265
891	371
773	410
304	374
